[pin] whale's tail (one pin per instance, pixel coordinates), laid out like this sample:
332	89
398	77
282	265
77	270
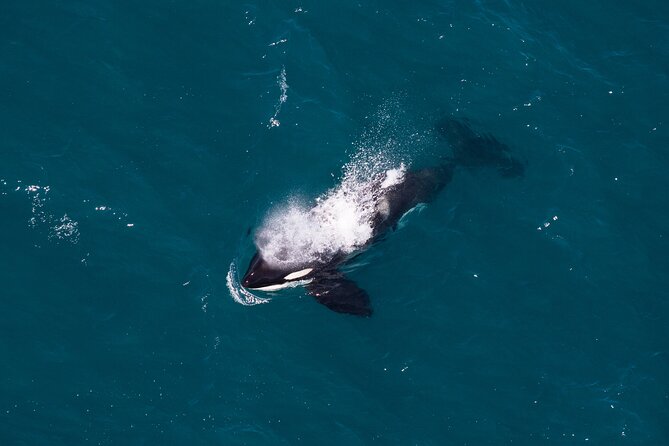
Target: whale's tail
474	150
469	149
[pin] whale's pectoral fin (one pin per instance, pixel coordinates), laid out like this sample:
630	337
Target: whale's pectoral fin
341	295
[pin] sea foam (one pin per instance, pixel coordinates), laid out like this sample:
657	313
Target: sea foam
340	220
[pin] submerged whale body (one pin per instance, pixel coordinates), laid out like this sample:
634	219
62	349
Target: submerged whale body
313	258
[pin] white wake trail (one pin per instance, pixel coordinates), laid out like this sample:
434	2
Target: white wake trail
240	294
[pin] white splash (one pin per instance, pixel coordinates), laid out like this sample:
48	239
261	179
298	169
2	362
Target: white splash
393	177
38	197
65	229
278	42
283	85
339	223
59	228
341	220
240	294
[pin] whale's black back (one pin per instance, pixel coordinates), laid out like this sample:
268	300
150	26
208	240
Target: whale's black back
468	149
418	186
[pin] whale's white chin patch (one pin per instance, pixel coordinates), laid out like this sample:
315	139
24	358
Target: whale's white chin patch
298	274
281	286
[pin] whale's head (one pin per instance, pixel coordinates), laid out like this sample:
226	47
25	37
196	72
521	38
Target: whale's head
262	275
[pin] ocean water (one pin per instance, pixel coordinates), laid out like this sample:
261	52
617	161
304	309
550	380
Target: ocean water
143	142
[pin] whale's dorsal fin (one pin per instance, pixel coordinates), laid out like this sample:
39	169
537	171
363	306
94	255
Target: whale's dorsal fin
340	294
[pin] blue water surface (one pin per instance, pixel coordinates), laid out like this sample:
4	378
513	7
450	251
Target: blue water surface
141	140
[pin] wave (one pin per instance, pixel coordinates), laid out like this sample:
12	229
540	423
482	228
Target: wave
240	294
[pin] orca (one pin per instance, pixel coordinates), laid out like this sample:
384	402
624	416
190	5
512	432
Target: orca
394	195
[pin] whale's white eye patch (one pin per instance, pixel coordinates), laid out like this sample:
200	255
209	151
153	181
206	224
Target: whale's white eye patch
298	274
